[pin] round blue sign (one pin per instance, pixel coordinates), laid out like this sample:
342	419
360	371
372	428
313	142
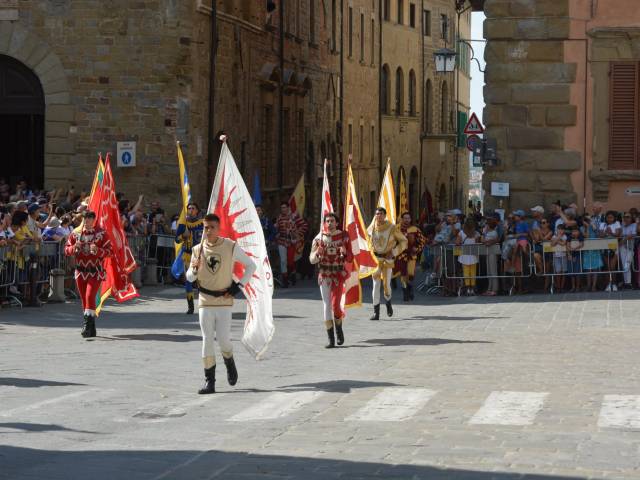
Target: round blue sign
472	142
126	158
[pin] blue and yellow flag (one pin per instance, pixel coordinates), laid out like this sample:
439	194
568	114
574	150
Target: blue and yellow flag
178	265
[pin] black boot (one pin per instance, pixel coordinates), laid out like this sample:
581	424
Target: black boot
86	328
190	303
410	292
232	372
285	280
209	381
389	308
339	334
92	326
405	294
332	340
376	313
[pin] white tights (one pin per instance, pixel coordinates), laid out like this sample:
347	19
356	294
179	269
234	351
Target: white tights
215	322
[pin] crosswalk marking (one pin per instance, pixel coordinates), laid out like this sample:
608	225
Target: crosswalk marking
510	408
393	405
622	411
279	404
52	401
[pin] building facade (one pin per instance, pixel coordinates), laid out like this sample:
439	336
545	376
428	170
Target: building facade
562	93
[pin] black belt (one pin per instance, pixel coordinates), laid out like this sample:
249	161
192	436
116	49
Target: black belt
381	255
213	293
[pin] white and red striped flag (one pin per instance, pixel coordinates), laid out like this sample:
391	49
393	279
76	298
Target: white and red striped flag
239	221
327	206
364	261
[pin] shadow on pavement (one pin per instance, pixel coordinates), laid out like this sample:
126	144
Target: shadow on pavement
33	383
337	386
397	342
447	318
19	463
39	427
158	337
109	319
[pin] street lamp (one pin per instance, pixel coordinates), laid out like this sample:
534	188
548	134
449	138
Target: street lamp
445	60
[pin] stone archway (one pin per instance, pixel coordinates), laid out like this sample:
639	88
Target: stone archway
59	114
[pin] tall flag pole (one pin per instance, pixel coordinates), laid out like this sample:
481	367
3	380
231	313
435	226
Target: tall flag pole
178	267
327	206
404	200
387	198
239	221
364	261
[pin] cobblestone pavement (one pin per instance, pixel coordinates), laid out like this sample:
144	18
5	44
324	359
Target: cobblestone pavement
532	387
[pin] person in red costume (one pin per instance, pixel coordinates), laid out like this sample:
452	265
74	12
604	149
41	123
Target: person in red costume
90	246
331	251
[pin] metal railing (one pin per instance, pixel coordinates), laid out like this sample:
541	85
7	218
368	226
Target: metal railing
8	272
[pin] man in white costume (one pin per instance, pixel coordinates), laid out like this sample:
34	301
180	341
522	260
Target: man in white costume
212	266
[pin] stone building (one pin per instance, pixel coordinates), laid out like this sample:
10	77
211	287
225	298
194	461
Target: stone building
562	99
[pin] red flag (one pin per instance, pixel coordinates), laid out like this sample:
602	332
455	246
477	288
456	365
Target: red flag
122	262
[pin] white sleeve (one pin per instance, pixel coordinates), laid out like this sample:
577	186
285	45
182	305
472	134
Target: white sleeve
239	255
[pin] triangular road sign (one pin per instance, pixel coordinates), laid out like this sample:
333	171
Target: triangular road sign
473	125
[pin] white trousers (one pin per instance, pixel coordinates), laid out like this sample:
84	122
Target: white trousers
282	252
377	283
626	257
215	323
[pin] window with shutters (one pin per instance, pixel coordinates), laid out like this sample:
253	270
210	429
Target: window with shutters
624	127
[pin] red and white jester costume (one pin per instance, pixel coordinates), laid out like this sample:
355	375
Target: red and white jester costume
331	251
90	246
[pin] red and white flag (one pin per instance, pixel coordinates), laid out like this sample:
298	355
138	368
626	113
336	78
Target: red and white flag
327	206
239	221
364	261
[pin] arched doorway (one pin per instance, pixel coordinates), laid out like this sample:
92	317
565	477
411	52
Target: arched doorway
22	110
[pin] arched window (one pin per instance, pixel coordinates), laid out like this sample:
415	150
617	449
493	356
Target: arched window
428	107
444	112
399	92
385	90
412	93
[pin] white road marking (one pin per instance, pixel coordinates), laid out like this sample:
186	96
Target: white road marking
277	405
52	401
393	405
621	411
510	408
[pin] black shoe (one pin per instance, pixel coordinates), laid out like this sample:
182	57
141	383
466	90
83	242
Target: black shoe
209	381
376	313
410	293
232	372
339	335
389	308
293	279
332	340
86	328
190	309
92	326
405	294
285	280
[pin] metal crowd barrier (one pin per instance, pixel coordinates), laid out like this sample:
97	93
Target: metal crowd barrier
432	284
162	248
8	272
596	257
138	245
509	261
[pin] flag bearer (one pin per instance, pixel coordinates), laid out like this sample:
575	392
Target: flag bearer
331	250
387	241
212	267
405	264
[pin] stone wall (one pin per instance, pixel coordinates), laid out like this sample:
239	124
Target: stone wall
528	101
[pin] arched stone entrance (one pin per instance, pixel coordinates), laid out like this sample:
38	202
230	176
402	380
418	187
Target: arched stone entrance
44	99
21	123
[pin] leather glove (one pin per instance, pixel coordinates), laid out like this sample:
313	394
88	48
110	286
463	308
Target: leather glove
234	289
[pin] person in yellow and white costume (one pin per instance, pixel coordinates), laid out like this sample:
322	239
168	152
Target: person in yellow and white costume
387	241
212	266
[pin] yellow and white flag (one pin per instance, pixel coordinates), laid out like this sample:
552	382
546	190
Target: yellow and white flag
297	199
387	198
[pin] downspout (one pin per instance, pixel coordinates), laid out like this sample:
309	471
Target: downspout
584	154
212	89
456	178
379	94
422	122
281	101
342	129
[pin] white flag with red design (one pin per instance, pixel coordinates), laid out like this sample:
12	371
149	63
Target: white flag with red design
327	206
364	261
239	221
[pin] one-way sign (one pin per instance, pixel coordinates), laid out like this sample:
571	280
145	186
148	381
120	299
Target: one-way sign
473	125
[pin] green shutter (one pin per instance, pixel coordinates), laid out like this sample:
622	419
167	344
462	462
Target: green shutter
462	122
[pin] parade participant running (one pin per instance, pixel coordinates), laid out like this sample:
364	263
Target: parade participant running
190	233
212	267
90	246
291	230
387	241
331	249
405	265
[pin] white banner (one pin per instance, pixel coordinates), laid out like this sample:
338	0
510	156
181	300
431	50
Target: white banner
239	221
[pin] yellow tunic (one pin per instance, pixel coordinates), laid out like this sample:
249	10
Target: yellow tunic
387	241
